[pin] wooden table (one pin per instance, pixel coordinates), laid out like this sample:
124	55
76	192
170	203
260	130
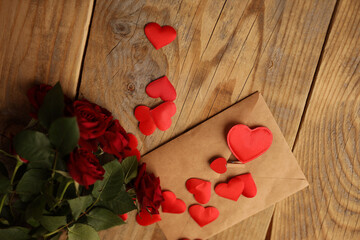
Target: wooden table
302	55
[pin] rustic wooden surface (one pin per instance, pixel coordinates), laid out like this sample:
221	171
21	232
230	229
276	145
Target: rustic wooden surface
224	51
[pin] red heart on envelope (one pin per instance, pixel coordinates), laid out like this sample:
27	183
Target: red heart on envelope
250	189
159	117
247	144
203	216
159	36
171	204
219	165
200	188
231	190
161	88
144	218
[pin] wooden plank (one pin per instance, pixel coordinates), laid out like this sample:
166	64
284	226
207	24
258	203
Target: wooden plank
224	51
328	145
42	42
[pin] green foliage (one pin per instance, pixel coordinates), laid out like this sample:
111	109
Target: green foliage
52	107
101	218
5	185
35	147
31	183
15	233
51	223
79	205
122	203
64	134
82	231
129	166
35	210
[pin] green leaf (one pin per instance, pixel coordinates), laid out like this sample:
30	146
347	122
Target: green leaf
3	170
51	223
101	218
52	107
82	232
35	210
121	204
4	221
112	183
15	233
35	147
64	134
31	183
79	205
130	167
5	185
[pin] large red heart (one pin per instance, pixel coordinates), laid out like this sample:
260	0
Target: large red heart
144	218
231	190
171	204
203	216
219	165
200	188
159	36
250	189
159	117
161	88
247	144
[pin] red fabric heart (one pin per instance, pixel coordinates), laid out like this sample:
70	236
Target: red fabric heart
124	216
200	188
247	144
219	165
159	117
131	149
171	204
159	36
203	216
161	88
231	190
250	189
144	218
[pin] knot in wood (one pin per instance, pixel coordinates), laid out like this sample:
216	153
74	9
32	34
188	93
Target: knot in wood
119	27
131	87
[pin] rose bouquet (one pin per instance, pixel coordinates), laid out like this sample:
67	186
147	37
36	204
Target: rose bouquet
74	169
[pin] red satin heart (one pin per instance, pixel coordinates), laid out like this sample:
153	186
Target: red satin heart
159	36
124	216
159	117
231	190
203	216
250	189
171	204
247	144
131	149
219	165
200	188
161	88
144	218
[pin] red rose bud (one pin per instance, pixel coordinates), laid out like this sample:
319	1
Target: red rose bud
92	119
36	97
84	167
148	190
124	216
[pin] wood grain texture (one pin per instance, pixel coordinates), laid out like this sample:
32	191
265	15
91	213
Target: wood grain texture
224	51
40	42
328	145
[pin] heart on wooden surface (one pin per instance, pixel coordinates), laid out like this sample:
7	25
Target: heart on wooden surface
161	88
250	189
203	216
171	204
231	190
219	165
200	188
131	148
247	144
159	117
159	36
144	218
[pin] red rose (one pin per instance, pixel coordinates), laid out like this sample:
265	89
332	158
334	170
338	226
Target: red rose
92	119
84	167
131	148
36	97
148	190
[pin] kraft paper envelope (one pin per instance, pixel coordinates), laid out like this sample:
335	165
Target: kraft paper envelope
276	172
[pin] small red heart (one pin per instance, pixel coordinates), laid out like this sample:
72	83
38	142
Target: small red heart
247	144
159	117
200	188
171	204
203	216
219	165
144	218
231	190
161	88
159	36
250	189
124	216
